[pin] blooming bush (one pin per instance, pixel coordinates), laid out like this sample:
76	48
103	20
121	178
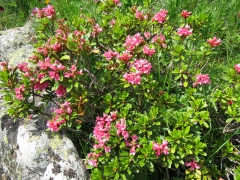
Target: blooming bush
139	85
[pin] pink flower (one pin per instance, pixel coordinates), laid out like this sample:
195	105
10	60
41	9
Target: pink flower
23	67
147	35
114	115
53	126
110	54
120	125
57	47
96	30
193	165
55	123
133	41
201	79
160	17
148	51
133	144
214	42
49	11
117	2
112	23
66	107
107	149
184	31
92	162
19	92
142	66
132	77
161	148
44	65
125	56
159	39
61	91
237	68
140	15
185	14
54	75
40	86
34	11
101	129
125	134
93	157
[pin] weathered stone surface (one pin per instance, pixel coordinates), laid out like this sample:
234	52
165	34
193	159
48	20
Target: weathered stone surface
15	44
27	150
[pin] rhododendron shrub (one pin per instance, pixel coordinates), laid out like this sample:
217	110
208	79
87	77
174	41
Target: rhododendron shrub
141	87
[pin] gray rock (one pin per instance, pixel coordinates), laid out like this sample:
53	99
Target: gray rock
27	150
15	44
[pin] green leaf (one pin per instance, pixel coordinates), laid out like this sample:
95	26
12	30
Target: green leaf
76	84
44	79
187	130
69	87
108	171
142	163
127	85
65	57
108	98
69	123
185	84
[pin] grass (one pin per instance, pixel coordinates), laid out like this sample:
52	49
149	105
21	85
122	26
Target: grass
16	12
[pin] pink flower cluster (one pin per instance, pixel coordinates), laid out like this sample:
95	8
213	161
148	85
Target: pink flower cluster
193	165
110	54
160	17
55	123
57	47
147	35
60	91
140	15
101	134
132	41
141	66
101	130
121	129
148	51
55	69
19	92
161	148
133	144
48	12
23	67
96	30
72	72
159	39
37	82
214	42
132	77
237	68
201	79
125	56
93	158
185	14
64	109
117	2
184	31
